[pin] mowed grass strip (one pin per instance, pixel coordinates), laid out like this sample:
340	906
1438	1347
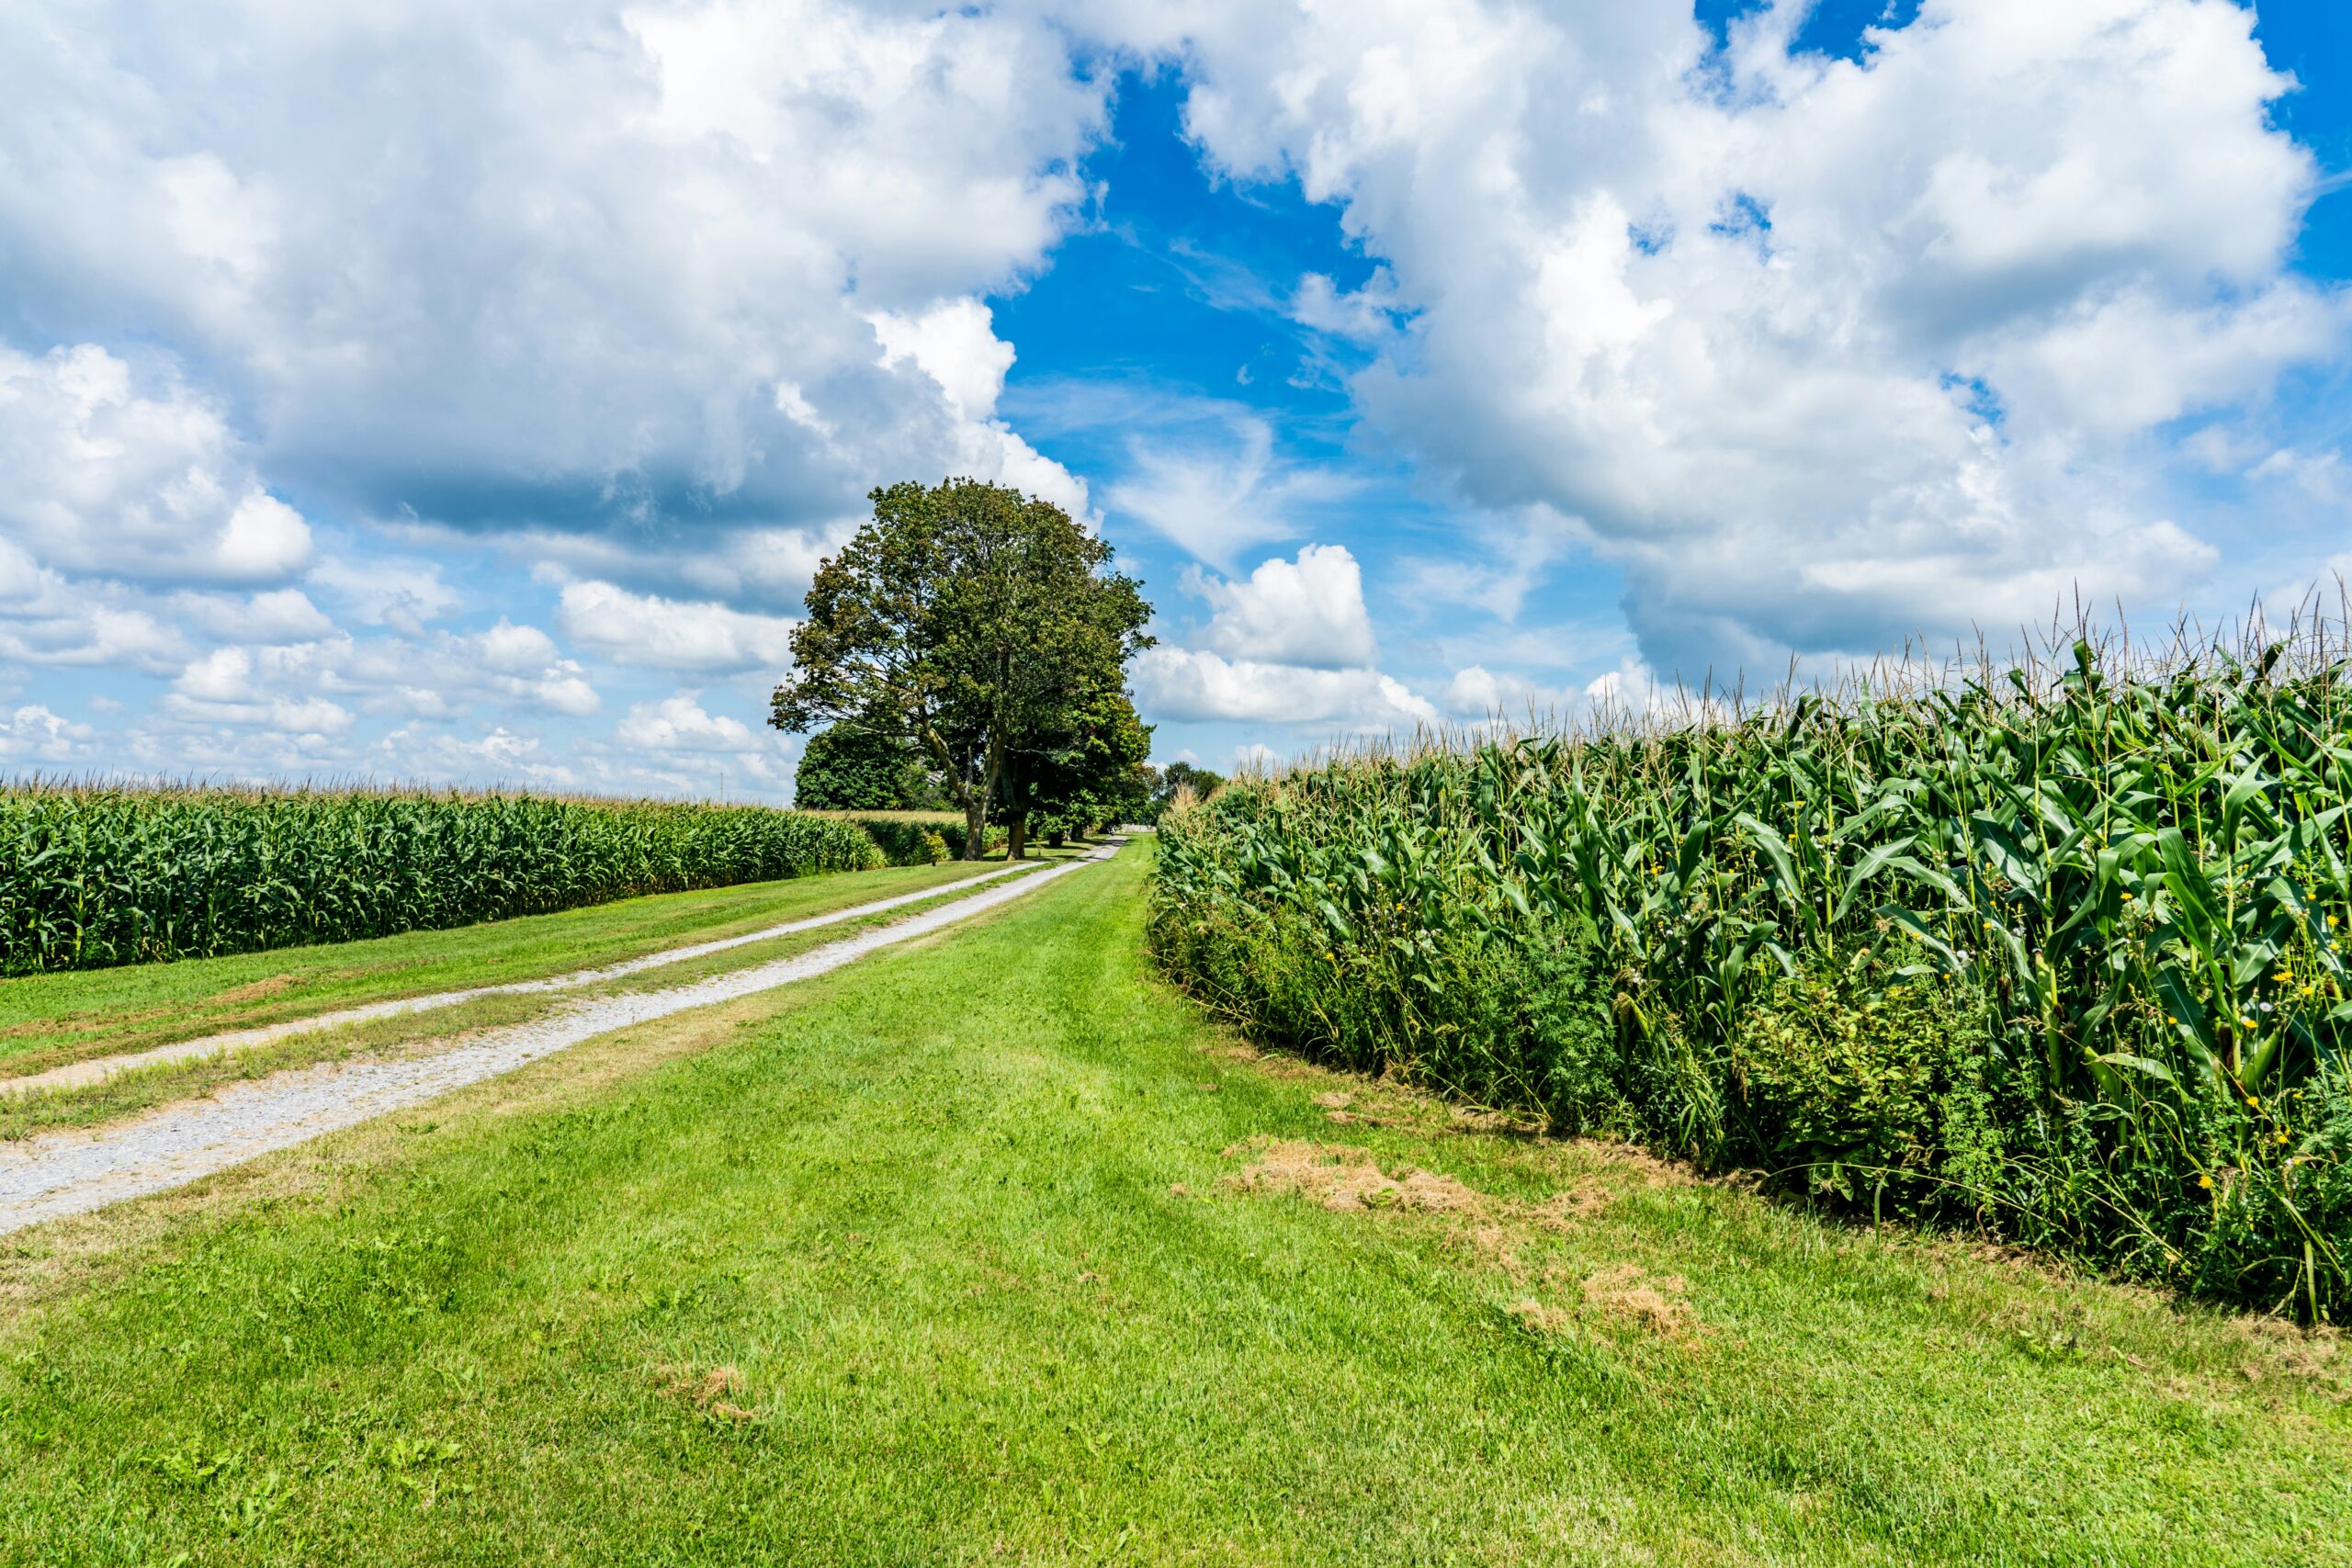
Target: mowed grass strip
990	1249
49	1019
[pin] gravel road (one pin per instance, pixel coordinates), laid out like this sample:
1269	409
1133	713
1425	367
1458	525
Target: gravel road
71	1172
80	1074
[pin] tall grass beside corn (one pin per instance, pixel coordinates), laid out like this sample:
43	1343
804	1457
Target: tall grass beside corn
2054	953
96	875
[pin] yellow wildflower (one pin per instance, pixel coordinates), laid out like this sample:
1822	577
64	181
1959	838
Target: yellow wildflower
2205	1181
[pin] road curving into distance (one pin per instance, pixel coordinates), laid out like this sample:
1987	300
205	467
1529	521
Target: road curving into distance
56	1173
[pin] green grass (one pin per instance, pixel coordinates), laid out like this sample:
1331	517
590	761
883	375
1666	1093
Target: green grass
890	1266
48	1019
125	1093
24	1113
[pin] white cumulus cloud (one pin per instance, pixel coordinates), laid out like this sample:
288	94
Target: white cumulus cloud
106	477
1307	611
613	268
1823	351
1194	685
673	635
679	723
34	735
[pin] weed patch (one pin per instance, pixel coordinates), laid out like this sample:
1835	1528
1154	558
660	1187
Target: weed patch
1654	1303
1342	1177
714	1391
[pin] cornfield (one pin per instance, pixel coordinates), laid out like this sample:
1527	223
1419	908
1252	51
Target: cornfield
92	876
2057	953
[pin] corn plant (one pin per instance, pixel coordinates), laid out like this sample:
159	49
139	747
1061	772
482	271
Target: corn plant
2132	871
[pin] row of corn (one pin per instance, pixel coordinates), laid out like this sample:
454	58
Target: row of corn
2062	955
98	876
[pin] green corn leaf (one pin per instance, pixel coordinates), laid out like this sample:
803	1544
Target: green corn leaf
2141	1065
1917	926
2185	880
1871	865
2009	857
1769	844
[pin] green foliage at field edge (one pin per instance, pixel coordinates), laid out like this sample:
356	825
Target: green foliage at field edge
46	1020
2062	959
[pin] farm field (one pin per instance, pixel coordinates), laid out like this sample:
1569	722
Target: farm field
2054	952
94	876
100	1083
993	1249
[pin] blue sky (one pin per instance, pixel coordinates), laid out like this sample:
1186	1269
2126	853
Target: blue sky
465	392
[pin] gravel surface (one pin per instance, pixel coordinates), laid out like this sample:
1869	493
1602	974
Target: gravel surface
80	1074
72	1172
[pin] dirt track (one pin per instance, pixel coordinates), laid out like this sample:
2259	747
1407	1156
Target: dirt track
72	1172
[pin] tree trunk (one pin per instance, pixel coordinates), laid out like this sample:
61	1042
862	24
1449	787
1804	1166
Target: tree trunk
1016	834
975	803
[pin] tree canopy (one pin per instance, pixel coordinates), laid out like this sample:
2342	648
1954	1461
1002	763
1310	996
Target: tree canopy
972	622
853	767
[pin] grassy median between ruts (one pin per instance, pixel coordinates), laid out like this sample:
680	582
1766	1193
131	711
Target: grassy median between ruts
989	1249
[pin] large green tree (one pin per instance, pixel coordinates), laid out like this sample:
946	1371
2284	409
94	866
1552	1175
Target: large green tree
968	620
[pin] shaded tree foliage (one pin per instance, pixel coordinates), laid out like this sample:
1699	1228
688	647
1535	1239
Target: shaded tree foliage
1090	776
852	767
